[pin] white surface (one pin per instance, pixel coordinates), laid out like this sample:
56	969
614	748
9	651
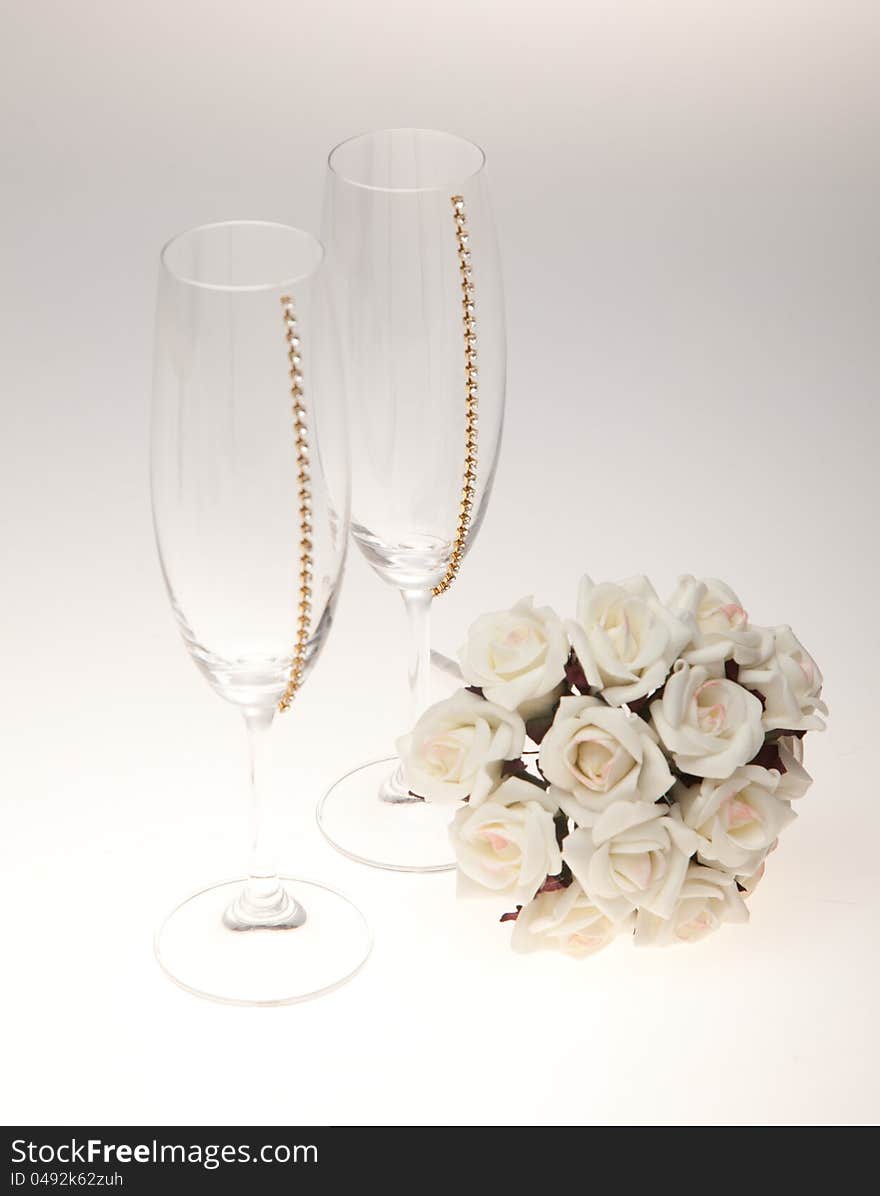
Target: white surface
687	198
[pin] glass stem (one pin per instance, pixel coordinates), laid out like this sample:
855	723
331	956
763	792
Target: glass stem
418	612
263	901
263	874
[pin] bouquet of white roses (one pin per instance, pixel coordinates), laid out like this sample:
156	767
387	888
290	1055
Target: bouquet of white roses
668	753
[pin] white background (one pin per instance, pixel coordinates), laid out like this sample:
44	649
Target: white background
686	196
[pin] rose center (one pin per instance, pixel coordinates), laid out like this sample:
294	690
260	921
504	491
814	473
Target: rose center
735	615
443	755
721	617
518	649
597	760
634	872
617	624
711	713
711	718
743	821
502	850
594	762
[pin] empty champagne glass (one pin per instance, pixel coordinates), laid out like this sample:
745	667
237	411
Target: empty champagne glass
414	272
251	511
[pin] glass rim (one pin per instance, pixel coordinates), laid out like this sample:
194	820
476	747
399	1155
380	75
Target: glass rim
239	288
405	190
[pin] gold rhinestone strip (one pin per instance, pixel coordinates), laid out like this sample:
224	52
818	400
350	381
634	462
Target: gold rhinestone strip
469	480
303	477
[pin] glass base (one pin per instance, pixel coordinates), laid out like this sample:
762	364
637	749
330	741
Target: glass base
267	965
390	831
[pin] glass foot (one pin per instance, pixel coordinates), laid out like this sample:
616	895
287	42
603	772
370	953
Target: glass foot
268	965
366	815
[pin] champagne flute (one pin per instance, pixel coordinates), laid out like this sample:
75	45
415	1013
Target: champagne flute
251	512
415	275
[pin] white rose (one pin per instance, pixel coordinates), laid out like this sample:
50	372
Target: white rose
517	657
721	626
565	920
458	747
709	724
737	820
597	755
509	841
707	899
634	856
625	639
790	683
